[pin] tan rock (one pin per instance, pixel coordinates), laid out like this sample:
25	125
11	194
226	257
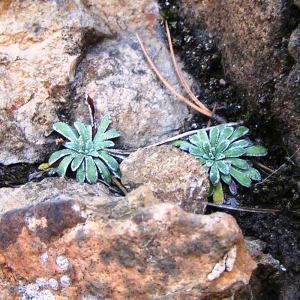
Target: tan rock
173	176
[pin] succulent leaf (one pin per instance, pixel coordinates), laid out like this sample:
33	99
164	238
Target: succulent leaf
238	162
234	152
222	146
218	195
85	131
225	133
91	170
199	138
240	143
63	165
104	124
109	160
103	144
226	178
74	145
223	167
183	145
197	151
256	151
65	130
241	177
254	174
80	173
214	175
103	170
76	162
214	136
55	156
239	132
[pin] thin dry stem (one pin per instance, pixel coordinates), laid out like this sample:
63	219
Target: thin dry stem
168	86
180	75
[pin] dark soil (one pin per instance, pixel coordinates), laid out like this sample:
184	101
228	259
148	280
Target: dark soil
280	231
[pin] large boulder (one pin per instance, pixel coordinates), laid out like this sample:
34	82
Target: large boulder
85	244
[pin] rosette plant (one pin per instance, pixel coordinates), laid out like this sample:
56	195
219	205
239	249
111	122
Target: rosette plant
222	152
86	152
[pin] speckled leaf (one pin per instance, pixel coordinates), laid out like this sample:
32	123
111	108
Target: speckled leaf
214	175
109	160
103	144
218	195
254	174
80	173
201	160
241	177
74	145
63	165
91	172
196	151
77	162
209	163
240	143
214	136
55	156
222	146
199	138
85	131
256	151
225	133
105	122
234	152
223	167
103	170
239	132
226	178
238	162
65	130
219	156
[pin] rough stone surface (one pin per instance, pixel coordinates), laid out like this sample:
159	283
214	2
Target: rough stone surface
253	39
172	175
40	45
116	75
153	250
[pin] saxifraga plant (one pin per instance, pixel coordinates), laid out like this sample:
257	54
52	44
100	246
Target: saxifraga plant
222	153
85	152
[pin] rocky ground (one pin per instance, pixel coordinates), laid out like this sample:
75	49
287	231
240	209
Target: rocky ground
64	240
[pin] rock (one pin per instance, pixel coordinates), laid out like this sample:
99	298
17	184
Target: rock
172	175
154	250
294	44
116	75
40	45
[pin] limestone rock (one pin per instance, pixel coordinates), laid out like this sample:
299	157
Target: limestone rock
173	176
116	75
59	249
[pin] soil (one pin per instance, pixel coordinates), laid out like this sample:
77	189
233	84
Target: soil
281	191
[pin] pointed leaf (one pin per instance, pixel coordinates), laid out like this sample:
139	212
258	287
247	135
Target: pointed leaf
55	156
218	195
80	173
105	122
109	160
63	165
238	162
214	136
241	177
223	167
214	175
65	130
234	152
91	172
85	131
239	132
76	162
256	151
103	170
254	174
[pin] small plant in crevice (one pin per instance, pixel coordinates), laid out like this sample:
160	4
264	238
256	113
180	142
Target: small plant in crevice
222	152
86	151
